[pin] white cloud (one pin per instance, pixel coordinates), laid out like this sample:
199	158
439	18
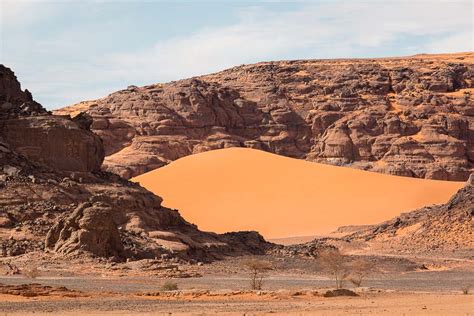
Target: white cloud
334	29
326	30
459	42
21	13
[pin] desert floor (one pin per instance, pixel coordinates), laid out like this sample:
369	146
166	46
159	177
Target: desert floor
285	304
292	288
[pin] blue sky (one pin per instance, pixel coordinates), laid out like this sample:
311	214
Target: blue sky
66	51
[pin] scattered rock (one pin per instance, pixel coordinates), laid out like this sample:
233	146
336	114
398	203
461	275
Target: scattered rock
11	171
433	228
339	292
34	289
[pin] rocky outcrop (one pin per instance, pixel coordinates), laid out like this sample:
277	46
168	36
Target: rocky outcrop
405	116
52	141
89	228
54	197
436	228
13	100
55	142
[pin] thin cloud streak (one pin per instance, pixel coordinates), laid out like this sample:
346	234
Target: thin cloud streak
324	31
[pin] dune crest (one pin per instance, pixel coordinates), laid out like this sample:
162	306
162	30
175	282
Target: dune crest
245	189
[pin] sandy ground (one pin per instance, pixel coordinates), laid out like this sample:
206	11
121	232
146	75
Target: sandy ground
245	189
121	297
292	288
369	304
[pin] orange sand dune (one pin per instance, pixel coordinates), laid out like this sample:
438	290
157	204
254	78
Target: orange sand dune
246	189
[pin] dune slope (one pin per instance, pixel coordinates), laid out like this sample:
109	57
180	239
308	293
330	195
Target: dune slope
246	189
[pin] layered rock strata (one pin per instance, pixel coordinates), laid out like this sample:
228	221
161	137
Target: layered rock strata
409	116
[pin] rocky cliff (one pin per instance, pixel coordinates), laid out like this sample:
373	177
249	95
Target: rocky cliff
408	116
52	141
54	197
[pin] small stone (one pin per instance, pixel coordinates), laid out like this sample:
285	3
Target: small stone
11	171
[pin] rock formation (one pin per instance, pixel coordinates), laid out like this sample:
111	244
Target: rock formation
435	228
408	116
54	197
49	140
438	229
91	228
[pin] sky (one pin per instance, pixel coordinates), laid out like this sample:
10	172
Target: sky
67	51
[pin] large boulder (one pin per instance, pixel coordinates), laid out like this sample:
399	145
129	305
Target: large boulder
90	228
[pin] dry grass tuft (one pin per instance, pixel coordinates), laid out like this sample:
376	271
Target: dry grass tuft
31	272
169	286
465	289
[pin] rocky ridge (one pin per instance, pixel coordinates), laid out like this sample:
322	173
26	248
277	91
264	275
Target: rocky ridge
434	229
410	116
55	198
443	227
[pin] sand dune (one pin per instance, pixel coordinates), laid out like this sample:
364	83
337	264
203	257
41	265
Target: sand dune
245	189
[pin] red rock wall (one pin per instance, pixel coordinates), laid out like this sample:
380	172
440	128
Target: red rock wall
403	116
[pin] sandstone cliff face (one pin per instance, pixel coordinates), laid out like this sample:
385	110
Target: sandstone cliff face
91	228
405	116
55	142
54	197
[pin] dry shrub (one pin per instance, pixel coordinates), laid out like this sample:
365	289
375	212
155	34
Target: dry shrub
169	286
359	270
465	289
336	263
31	272
258	269
11	269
